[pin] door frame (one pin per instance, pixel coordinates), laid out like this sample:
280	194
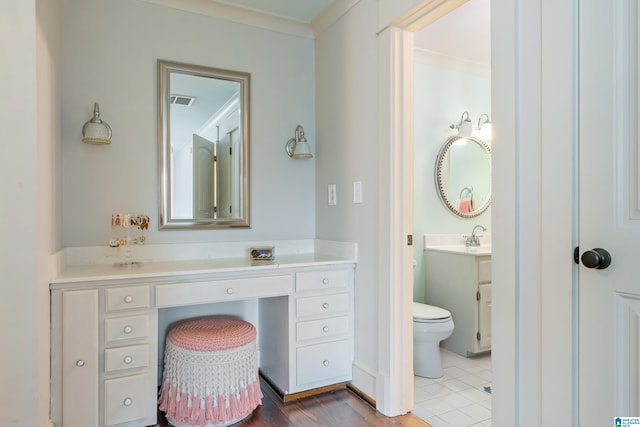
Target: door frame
534	227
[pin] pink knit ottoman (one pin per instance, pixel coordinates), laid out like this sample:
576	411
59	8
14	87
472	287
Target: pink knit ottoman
210	373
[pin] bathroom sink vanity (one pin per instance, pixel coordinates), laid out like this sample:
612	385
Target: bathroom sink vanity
458	279
106	336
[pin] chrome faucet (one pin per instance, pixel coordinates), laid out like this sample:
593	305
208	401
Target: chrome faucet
473	239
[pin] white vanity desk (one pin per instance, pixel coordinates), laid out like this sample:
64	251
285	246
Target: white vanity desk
107	333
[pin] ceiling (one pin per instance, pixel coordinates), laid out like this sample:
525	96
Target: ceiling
463	33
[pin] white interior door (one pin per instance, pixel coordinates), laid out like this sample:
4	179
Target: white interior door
609	327
204	177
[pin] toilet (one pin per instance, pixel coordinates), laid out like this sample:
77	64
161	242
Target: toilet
430	326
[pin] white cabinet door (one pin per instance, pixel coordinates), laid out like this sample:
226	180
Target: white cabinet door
205	181
80	358
484	317
609	295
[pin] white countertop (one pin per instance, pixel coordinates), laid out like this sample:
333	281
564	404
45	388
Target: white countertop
74	265
98	272
455	243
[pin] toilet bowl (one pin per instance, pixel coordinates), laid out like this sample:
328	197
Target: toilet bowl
430	326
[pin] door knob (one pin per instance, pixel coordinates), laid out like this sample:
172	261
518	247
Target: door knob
597	258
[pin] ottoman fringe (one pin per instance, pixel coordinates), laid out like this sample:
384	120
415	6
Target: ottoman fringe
197	410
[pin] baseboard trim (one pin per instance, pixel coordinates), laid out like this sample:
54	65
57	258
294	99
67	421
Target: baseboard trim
362	395
295	396
364	379
290	397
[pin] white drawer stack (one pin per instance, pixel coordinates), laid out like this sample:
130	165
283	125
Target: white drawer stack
130	338
323	327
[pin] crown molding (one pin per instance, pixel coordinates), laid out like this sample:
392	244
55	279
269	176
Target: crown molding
240	15
425	13
330	15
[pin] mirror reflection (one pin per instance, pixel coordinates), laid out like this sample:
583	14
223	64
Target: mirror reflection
463	175
203	146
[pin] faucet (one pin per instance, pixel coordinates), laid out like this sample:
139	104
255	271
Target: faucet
473	239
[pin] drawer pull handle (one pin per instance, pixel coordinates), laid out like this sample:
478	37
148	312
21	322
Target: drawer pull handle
230	291
325	362
325	329
325	281
80	363
127	401
127	360
127	329
325	305
128	299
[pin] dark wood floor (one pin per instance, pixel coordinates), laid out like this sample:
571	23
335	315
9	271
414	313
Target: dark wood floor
341	408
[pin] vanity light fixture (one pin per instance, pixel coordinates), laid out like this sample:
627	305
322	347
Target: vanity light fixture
484	127
298	147
465	128
96	131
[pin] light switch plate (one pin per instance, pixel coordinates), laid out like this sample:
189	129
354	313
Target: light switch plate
331	195
357	192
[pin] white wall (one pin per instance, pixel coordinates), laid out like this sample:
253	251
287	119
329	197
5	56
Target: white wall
112	60
30	131
18	231
443	88
347	123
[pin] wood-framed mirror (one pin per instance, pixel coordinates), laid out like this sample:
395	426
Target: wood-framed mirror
463	175
203	147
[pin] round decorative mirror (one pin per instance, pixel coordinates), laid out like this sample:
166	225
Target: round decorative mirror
463	175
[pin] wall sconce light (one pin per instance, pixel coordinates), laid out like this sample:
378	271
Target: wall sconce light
96	131
298	147
465	128
484	127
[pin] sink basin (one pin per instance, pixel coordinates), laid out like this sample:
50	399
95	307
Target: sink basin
456	243
461	249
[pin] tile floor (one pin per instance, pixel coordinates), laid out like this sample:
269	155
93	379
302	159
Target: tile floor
458	399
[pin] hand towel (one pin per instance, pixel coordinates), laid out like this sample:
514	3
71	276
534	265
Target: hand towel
466	206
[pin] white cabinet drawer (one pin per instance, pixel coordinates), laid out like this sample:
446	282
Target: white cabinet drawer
322	304
122	358
323	361
130	298
128	399
328	279
222	290
322	328
126	328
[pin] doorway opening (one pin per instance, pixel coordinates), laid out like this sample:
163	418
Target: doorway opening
451	76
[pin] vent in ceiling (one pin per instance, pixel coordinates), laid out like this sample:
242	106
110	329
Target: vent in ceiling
181	100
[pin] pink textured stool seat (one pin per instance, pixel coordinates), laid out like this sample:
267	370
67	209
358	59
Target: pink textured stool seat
210	373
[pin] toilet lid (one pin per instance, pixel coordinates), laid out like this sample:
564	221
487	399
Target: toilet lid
429	312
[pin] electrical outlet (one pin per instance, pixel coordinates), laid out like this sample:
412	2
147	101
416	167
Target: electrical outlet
331	195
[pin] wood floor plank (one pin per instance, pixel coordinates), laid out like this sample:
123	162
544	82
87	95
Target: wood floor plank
339	408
